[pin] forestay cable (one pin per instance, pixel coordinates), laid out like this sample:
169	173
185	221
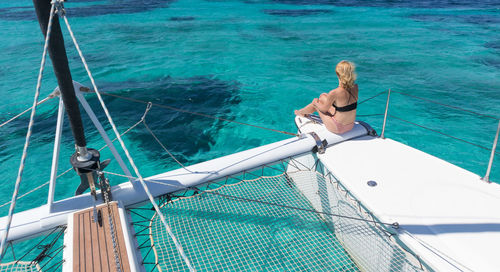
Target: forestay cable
28	134
136	170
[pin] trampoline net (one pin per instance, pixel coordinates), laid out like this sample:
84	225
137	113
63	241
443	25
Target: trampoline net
40	253
19	266
285	218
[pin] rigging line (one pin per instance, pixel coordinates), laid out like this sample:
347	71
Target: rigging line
197	113
446	105
28	134
26	110
143	120
215	117
369	115
394	225
69	169
442	133
129	129
39	243
164	148
132	163
370	98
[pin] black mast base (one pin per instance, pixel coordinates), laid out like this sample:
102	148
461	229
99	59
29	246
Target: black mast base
87	170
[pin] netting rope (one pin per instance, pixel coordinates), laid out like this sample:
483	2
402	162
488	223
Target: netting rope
271	224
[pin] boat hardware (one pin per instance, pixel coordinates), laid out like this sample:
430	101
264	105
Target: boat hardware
87	170
320	145
371	131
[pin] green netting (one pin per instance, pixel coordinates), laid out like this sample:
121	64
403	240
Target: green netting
221	233
19	266
40	253
372	245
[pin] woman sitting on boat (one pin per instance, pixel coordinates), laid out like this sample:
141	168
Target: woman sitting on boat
337	108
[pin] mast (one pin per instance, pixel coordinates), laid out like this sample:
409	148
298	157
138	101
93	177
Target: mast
84	161
57	53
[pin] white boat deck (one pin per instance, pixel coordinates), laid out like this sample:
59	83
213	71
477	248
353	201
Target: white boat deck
448	216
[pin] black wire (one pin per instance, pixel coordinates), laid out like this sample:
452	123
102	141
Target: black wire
442	133
39	243
196	113
394	225
370	98
368	115
446	105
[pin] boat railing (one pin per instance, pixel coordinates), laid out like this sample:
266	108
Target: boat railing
386	114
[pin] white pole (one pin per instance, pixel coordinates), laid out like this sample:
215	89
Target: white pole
103	133
385	115
55	156
492	156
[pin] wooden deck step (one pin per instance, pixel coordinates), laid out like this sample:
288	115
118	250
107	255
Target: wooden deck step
92	243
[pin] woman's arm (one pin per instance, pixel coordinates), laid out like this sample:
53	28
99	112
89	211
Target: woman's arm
324	102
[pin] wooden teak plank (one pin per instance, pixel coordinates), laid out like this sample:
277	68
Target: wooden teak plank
96	250
93	244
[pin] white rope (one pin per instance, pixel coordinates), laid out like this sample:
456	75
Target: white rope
28	134
141	180
69	169
39	187
25	111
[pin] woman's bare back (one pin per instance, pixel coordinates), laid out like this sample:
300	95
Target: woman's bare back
337	108
342	98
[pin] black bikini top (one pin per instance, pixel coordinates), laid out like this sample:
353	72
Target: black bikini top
347	108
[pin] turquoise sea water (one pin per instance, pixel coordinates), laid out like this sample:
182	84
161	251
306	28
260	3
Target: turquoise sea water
253	62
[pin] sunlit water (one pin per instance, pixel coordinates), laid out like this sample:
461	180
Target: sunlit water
253	62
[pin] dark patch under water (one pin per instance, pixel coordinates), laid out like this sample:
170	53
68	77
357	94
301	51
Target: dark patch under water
493	45
295	12
109	7
279	32
182	18
489	61
477	19
426	4
183	134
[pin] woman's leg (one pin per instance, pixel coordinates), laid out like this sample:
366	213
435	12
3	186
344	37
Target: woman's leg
305	110
310	108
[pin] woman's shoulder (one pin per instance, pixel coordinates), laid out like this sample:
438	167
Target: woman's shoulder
336	91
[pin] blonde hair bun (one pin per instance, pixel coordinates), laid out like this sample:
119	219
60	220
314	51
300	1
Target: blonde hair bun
345	72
